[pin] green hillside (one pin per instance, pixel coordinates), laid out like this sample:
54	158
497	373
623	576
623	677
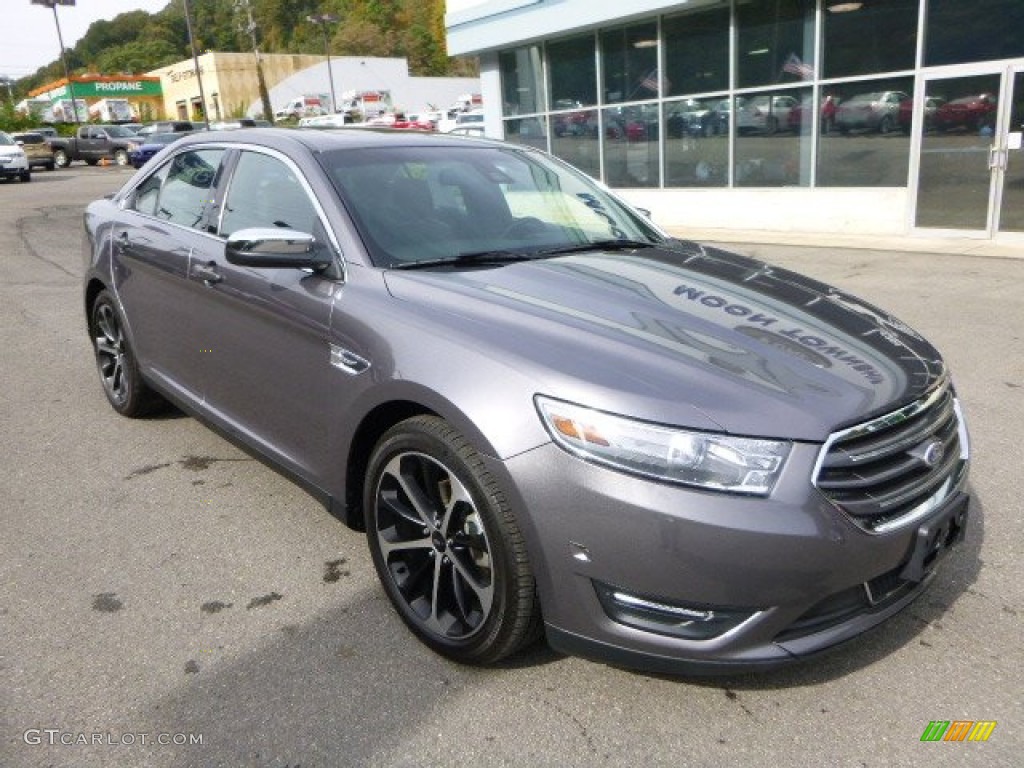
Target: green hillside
138	42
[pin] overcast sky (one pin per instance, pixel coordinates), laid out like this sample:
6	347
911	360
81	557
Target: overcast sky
30	35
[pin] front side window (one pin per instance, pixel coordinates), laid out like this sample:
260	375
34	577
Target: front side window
265	192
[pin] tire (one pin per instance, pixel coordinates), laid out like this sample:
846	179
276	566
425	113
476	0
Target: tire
887	125
61	159
119	371
51	166
446	544
120	157
91	162
26	176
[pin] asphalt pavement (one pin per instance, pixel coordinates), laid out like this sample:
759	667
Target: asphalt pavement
158	585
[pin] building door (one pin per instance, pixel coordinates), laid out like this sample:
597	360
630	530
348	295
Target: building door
969	160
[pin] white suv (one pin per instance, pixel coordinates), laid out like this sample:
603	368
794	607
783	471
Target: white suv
13	160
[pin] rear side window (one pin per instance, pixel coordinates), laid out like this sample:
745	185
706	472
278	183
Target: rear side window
30	138
180	191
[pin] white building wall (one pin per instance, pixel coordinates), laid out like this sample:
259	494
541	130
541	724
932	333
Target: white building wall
368	73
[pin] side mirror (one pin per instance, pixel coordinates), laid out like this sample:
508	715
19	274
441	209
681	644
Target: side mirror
645	212
269	248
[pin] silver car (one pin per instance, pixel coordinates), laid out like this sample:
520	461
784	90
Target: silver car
547	415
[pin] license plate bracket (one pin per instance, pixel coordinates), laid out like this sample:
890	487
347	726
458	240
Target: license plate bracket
935	538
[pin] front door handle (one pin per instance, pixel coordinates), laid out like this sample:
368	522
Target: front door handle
207	273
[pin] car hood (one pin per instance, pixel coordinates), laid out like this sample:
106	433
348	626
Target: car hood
694	337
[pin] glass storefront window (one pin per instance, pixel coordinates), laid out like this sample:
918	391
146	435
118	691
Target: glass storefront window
630	63
874	38
959	32
527	130
866	134
631	146
696	52
522	81
573	70
575	140
773	142
697	142
775	42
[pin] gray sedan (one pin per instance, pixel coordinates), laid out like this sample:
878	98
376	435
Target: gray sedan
547	415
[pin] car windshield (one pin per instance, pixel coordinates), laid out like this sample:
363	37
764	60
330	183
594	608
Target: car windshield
119	132
431	204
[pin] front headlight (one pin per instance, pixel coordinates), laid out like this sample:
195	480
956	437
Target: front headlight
703	459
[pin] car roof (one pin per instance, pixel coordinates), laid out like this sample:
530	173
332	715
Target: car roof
330	139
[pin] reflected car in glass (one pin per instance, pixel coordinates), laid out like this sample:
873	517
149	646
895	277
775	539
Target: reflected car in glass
547	415
968	113
153	143
876	111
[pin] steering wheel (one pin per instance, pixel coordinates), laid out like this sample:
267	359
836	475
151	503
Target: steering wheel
527	226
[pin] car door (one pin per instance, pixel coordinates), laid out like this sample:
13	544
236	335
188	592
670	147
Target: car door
266	330
158	251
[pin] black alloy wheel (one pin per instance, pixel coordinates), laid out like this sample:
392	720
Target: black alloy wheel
446	545
122	384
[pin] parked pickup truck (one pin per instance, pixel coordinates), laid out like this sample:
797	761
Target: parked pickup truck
93	143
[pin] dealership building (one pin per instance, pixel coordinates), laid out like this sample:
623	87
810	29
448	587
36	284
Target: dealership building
880	117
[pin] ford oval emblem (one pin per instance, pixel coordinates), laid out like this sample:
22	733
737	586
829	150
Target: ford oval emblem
933	453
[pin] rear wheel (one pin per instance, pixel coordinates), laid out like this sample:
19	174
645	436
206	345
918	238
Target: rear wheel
119	372
25	176
446	544
60	158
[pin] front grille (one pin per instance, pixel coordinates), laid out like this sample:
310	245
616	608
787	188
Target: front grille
898	467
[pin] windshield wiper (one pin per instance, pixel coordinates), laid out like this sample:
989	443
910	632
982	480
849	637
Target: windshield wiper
474	258
600	245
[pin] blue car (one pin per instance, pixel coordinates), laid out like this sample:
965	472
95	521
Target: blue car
154	143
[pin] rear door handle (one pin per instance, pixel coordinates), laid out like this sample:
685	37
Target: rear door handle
207	273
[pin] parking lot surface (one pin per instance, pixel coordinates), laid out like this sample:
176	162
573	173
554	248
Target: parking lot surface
168	601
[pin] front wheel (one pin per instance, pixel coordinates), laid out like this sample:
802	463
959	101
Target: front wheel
119	372
120	157
446	544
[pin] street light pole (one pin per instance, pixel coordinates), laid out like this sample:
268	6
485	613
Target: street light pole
63	57
195	62
322	20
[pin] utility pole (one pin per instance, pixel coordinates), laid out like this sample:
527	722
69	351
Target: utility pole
195	62
250	29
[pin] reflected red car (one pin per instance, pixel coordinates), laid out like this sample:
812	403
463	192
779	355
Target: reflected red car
969	112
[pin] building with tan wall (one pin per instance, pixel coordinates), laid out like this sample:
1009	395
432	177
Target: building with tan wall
229	80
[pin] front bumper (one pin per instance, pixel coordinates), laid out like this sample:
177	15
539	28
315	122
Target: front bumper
801	575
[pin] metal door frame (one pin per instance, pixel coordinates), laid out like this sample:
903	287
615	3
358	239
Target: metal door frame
1006	70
